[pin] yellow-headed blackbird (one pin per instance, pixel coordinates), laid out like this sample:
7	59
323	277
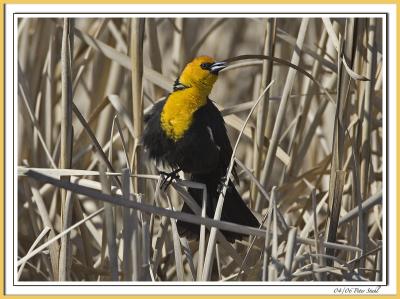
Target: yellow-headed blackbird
187	132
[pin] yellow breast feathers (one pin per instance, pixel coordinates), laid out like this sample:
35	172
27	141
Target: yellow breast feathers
177	114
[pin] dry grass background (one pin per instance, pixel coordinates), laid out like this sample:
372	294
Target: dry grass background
309	159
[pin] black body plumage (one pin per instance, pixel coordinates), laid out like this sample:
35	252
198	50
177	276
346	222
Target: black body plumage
205	152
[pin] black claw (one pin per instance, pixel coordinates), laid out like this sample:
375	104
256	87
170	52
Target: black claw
168	178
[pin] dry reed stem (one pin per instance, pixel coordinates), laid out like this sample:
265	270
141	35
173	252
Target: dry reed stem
109	228
154	53
366	130
266	77
182	216
300	142
50	93
209	258
25	95
66	137
270	157
131	254
57	237
37	241
337	175
177	246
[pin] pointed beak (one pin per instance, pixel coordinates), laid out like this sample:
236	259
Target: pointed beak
217	66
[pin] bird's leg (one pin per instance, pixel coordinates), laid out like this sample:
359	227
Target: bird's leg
168	178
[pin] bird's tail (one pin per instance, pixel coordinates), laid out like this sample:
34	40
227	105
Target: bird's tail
234	209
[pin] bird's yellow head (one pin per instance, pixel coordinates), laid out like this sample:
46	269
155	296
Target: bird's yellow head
191	92
202	72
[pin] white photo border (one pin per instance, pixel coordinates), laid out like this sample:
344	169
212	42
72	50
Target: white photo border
386	11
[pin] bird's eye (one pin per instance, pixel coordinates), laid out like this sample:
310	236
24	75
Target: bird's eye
205	66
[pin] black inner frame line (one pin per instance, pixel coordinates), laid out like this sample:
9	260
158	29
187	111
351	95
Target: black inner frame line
187	13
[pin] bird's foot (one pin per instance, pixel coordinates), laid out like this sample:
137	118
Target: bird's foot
221	185
168	177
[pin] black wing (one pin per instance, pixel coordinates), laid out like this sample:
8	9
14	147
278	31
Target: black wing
218	130
205	146
154	139
218	133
